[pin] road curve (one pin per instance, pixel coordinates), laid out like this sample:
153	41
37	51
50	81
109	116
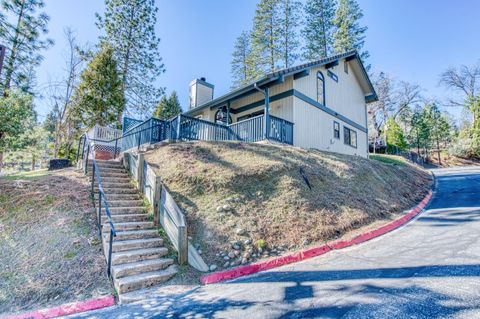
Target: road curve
428	269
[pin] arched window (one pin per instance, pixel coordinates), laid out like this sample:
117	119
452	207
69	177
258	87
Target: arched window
320	88
221	117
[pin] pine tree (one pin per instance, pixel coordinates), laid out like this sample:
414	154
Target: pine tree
99	98
349	35
289	12
22	29
318	30
168	108
240	66
266	37
129	27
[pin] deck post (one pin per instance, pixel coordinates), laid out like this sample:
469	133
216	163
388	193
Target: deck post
228	120
266	128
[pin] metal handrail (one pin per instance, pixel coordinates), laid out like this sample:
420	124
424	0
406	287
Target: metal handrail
101	199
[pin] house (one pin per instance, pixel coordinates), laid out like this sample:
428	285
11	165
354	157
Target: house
321	105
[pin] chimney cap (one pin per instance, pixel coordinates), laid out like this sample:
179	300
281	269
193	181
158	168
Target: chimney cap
203	79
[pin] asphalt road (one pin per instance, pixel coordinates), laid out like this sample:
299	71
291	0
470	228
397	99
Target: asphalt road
428	269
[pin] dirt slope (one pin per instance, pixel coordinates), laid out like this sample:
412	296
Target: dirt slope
244	192
50	252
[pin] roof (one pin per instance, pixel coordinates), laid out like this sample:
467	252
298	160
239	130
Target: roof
276	76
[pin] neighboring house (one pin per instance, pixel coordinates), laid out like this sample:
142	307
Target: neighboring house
323	103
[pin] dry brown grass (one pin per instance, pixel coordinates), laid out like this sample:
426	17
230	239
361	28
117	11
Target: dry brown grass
347	192
49	248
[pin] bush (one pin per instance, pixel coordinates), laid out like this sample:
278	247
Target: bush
463	147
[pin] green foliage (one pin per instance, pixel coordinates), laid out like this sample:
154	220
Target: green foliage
129	27
266	36
241	68
99	98
168	108
22	29
348	33
289	18
318	30
395	137
388	159
16	116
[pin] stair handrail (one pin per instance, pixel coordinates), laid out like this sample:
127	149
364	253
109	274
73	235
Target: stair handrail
101	199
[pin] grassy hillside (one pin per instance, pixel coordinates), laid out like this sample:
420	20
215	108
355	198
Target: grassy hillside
50	252
234	191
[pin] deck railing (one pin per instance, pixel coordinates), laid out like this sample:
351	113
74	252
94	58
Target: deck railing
184	127
249	130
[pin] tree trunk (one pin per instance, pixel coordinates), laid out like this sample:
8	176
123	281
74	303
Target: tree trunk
33	162
438	152
1	160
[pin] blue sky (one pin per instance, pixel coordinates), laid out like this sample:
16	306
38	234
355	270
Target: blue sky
411	40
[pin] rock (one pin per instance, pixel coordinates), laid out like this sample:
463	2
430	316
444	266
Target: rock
199	251
306	242
225	265
213	267
231	255
190	238
226	258
254	255
236	246
217	255
227	207
247	255
244	261
248	241
219	209
240	231
260	250
259	194
250	250
236	252
222	254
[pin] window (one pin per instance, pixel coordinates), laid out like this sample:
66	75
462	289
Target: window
332	75
349	137
345	66
336	130
320	88
221	117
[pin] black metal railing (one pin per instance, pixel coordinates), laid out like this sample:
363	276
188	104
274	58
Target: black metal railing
183	127
102	199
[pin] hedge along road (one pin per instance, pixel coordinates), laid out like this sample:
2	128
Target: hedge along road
428	269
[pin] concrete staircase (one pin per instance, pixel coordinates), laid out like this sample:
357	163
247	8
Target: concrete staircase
138	255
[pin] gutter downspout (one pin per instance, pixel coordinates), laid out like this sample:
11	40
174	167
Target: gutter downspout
266	118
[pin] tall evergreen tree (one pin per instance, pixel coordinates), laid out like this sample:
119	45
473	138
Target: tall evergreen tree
348	33
168	108
289	17
129	27
22	30
266	36
318	30
99	98
241	68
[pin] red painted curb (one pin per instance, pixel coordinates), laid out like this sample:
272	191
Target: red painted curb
66	309
315	251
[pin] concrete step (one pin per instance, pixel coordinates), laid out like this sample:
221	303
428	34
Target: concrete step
101	163
116	179
125	218
109	170
124	210
124	203
144	266
144	280
105	174
113	197
114	185
115	190
131	256
135	234
123	245
128	226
